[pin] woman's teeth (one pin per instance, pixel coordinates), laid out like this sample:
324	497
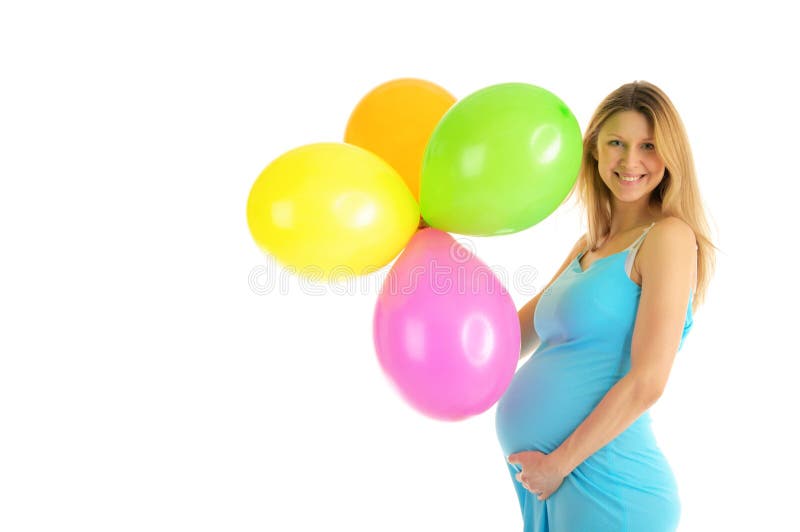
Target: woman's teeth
630	179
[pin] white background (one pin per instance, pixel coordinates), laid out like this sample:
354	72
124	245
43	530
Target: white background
147	384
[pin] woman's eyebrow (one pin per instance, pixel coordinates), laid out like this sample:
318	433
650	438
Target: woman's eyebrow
646	139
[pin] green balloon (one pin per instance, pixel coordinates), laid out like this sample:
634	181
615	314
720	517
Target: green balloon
499	161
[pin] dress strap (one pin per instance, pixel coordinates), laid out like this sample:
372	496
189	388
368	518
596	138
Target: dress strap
633	248
639	240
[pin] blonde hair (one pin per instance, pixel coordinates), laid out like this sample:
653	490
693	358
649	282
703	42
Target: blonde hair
678	193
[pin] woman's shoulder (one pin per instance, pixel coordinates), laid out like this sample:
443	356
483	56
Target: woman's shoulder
582	241
579	246
670	238
670	248
672	231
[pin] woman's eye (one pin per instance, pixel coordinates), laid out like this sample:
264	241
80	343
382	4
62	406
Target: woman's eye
614	143
649	146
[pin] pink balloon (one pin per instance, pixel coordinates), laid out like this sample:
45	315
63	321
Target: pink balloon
445	329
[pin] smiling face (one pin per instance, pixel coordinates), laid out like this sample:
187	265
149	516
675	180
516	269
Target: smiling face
627	158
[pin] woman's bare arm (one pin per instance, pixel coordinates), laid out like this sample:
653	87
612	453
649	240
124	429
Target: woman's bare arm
530	340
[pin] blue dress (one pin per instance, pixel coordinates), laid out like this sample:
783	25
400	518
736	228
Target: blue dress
585	322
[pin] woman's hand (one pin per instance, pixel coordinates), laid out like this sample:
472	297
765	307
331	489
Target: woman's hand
541	474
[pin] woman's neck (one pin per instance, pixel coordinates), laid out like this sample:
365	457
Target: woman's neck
624	219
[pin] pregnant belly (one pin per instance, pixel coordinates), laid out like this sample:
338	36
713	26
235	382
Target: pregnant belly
549	396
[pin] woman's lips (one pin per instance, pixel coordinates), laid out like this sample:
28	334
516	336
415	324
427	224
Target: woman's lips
629	181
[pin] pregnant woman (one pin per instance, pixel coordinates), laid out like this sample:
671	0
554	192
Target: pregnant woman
604	332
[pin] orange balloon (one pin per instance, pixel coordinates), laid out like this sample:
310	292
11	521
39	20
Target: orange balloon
395	121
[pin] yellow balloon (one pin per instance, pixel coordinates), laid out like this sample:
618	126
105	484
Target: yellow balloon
331	211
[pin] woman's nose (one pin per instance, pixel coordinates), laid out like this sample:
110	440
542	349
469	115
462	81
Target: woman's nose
631	158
